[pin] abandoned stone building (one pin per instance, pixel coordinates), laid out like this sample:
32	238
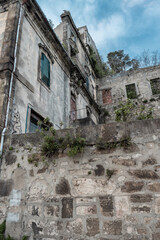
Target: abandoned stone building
44	73
142	86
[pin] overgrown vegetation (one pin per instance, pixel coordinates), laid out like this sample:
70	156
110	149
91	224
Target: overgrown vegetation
145	114
2	233
124	111
53	144
118	61
131	91
129	110
99	66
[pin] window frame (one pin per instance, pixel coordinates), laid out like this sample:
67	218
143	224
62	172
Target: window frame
136	93
44	50
47	84
153	89
31	113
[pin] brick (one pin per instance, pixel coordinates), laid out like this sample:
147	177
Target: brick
51	211
67	208
122	206
10	158
5	187
53	228
91	187
86	210
99	171
36	228
75	226
132	187
35	210
150	161
92	225
141	230
124	162
140	198
158	224
136	237
106	205
145	174
113	227
156	236
157	206
154	187
143	209
63	187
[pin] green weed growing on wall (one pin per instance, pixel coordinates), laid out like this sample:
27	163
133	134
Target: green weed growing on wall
145	113
53	144
2	233
124	111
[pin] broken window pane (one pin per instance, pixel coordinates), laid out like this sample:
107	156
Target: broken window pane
155	86
131	91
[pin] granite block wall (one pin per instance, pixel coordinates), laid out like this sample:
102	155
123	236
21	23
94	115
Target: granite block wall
101	194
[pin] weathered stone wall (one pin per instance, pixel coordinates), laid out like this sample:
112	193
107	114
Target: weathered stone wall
99	194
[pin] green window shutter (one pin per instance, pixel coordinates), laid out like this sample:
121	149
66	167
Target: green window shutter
87	83
45	70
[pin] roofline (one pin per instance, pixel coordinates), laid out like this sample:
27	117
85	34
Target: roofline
67	13
130	72
35	7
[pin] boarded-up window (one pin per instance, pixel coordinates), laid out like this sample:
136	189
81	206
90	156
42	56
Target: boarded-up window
155	85
45	70
73	108
107	96
131	91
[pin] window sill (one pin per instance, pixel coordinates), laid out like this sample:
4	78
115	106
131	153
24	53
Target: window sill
44	85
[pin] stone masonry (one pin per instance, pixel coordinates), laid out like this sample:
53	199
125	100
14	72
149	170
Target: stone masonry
111	194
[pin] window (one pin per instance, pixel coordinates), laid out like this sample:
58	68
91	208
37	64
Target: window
107	96
45	70
73	108
35	118
73	51
155	86
131	91
87	83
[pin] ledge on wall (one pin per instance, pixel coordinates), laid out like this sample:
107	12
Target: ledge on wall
110	132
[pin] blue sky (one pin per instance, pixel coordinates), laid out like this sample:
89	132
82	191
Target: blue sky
131	25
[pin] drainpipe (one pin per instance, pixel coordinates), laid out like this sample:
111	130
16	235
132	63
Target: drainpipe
11	85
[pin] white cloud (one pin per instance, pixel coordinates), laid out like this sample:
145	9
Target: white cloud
108	30
133	3
153	8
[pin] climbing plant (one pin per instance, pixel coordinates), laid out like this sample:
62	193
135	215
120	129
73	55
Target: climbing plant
100	68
